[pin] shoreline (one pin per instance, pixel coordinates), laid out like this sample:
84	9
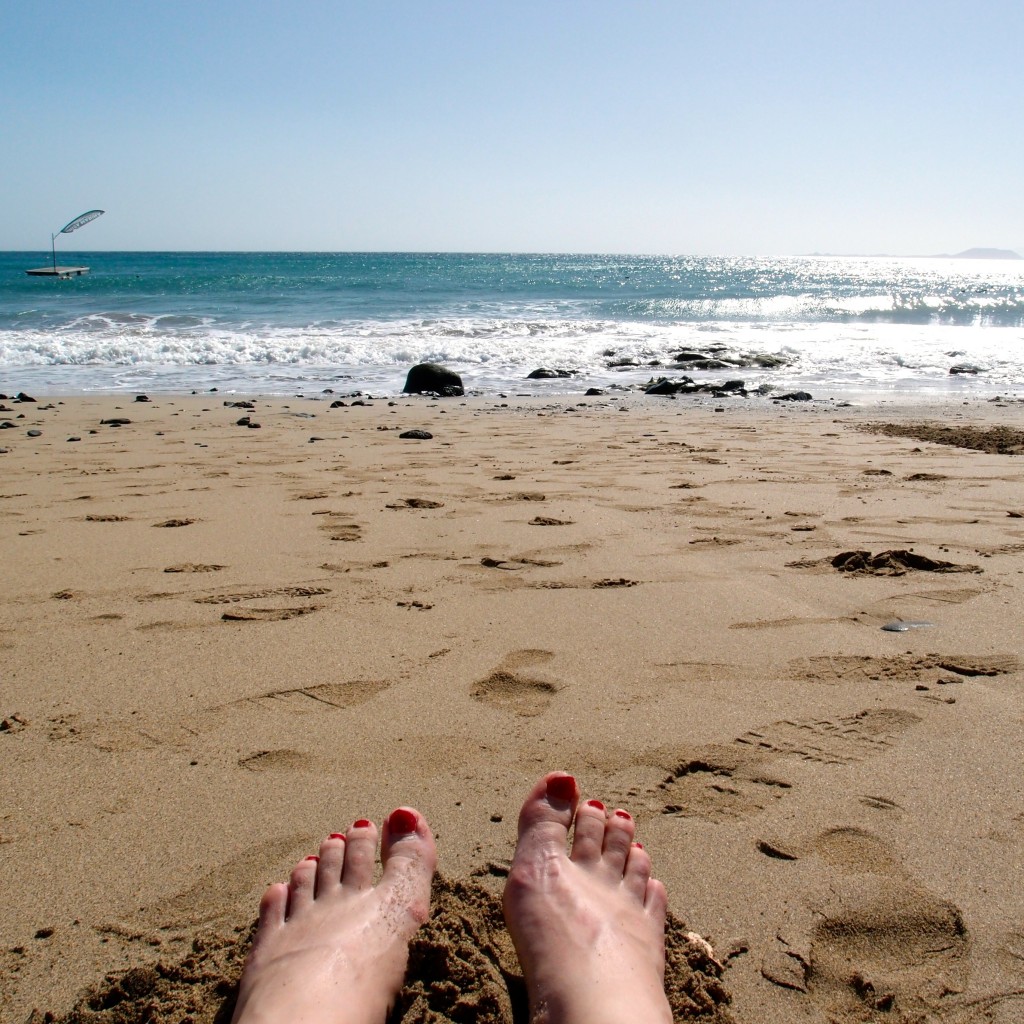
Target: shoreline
221	642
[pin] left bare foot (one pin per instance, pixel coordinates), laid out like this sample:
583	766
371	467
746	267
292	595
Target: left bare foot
330	947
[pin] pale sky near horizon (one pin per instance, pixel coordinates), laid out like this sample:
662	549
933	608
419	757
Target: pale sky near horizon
637	126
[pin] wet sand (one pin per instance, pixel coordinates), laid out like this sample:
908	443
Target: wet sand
220	643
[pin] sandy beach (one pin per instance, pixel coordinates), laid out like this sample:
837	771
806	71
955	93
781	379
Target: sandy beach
221	642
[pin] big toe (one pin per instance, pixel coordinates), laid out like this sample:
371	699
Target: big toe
410	857
546	816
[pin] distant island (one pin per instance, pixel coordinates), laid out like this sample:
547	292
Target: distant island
985	254
967	254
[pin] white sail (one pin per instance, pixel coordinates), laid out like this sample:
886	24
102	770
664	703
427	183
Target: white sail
80	221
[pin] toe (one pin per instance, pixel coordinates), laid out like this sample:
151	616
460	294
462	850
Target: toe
410	857
302	885
638	872
332	860
588	833
273	908
546	816
618	838
656	901
360	853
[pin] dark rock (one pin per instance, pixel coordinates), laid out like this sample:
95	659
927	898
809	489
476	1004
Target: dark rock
34	433
417	435
733	385
6	425
765	361
74	439
706	364
794	396
429	378
22	397
664	386
544	373
619	363
117	421
240	405
593	392
689	357
243	422
966	368
142	398
339	404
253	426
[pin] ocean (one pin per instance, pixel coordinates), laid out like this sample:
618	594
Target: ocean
289	323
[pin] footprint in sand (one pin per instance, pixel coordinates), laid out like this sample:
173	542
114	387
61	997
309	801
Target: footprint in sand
268	614
338	530
928	668
512	690
271	760
728	781
884	945
195	567
255	595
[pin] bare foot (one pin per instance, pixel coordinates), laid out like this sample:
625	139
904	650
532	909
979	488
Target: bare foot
330	947
588	926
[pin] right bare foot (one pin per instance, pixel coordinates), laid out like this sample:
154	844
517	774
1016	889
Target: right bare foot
588	926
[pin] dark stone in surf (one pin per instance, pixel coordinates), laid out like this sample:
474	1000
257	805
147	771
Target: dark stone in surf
794	396
966	368
544	373
593	392
142	398
429	378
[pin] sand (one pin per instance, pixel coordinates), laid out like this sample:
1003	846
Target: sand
220	643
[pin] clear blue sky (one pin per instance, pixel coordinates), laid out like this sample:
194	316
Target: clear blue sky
673	126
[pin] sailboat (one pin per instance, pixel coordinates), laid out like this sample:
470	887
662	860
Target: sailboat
63	272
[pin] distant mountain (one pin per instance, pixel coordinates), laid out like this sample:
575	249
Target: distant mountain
967	254
986	254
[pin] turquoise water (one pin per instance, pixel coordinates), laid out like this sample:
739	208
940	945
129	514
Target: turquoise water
278	322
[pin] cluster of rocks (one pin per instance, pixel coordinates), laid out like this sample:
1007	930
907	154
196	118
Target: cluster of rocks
714	358
438	381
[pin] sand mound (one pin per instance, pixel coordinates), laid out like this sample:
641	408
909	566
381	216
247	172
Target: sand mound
994	440
462	967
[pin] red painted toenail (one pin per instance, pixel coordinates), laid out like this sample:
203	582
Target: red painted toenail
639	846
624	814
562	787
335	835
362	823
402	822
313	856
596	803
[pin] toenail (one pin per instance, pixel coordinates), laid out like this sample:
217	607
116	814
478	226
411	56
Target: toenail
335	835
362	823
596	803
562	787
624	814
313	856
402	822
639	846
